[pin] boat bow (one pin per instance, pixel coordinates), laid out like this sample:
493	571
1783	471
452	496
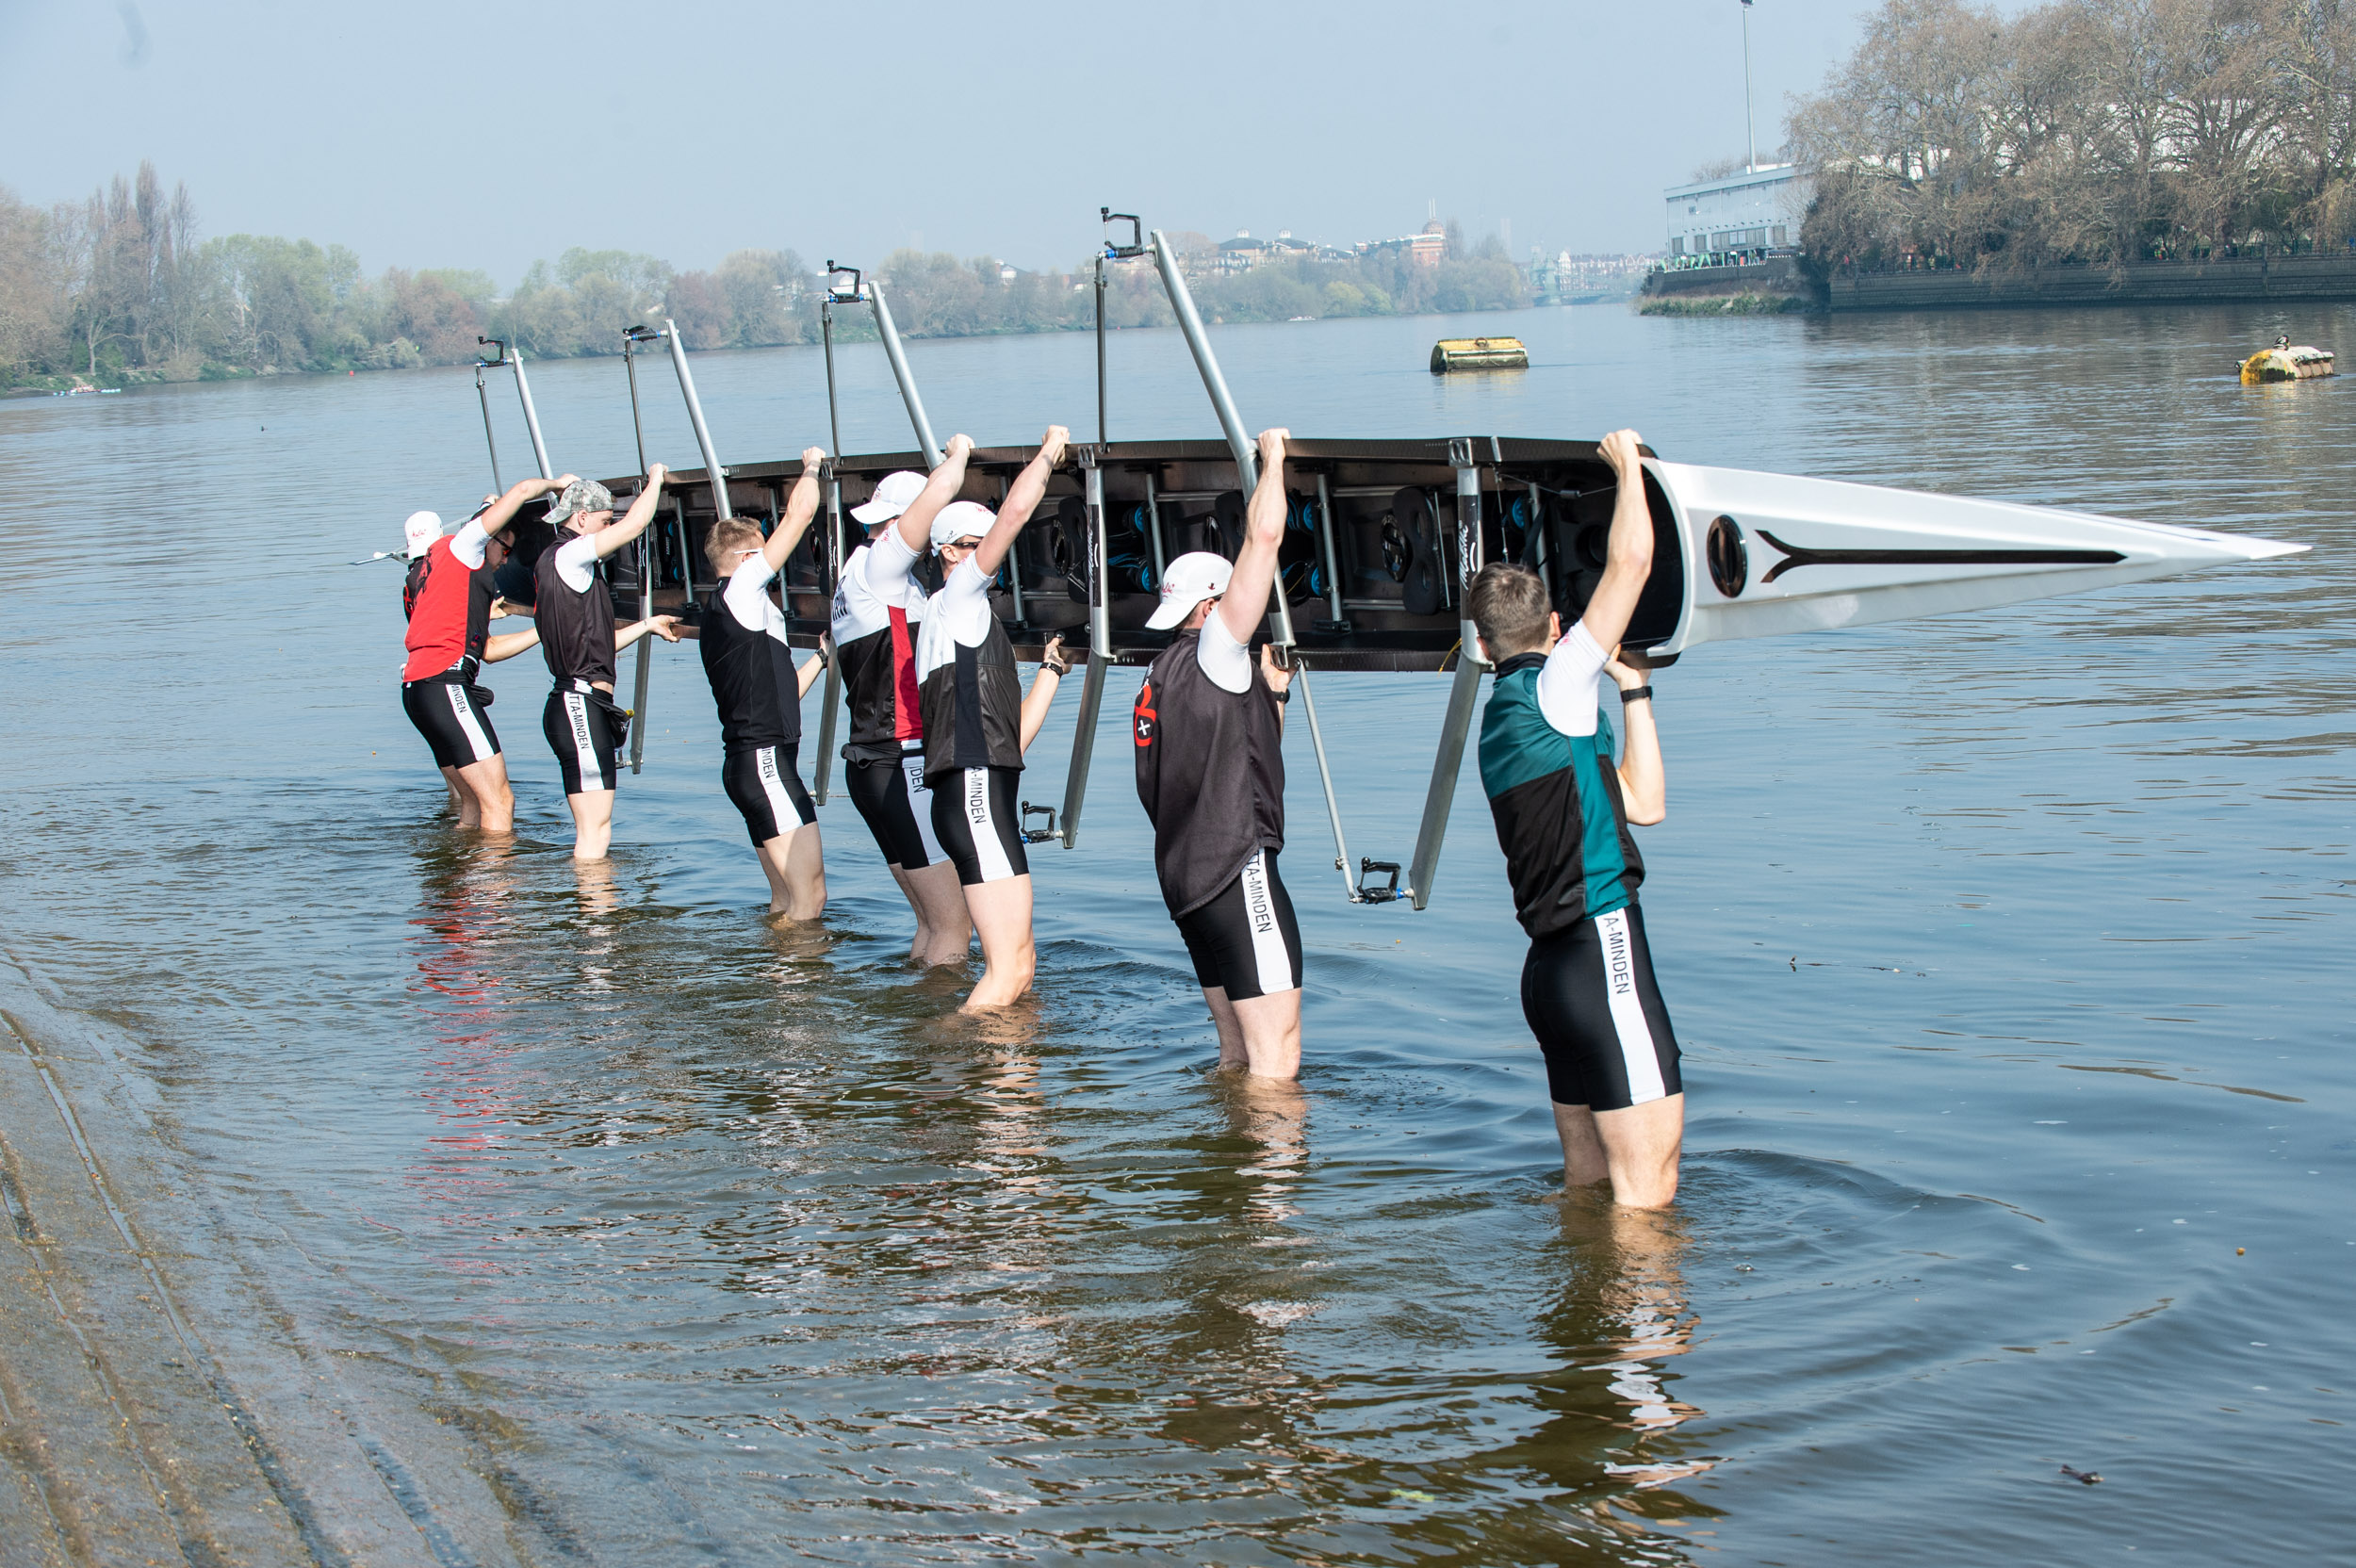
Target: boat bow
1776	553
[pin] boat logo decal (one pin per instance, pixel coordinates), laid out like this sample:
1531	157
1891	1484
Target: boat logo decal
1797	556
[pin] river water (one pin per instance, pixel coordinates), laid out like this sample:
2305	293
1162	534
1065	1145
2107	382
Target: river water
2010	955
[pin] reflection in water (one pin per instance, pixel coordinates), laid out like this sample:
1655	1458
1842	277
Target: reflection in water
467	919
1606	1449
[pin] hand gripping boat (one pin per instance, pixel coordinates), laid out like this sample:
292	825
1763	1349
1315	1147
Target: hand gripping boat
1383	538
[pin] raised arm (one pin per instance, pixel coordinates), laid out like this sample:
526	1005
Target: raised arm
810	668
641	512
801	505
1643	784
1628	554
941	488
1022	498
1249	590
502	512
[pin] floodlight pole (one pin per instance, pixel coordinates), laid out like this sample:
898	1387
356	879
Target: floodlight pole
1750	133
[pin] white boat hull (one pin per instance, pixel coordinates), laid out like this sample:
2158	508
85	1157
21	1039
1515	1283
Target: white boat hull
1813	554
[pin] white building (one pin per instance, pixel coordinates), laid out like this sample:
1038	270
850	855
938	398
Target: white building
1754	211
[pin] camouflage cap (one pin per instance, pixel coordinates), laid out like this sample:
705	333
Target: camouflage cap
582	495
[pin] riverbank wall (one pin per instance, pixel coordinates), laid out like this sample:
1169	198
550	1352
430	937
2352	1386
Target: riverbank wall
2262	277
1775	275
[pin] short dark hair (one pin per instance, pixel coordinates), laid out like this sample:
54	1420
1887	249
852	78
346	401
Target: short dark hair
1509	608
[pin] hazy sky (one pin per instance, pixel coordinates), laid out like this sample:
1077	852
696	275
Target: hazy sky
432	133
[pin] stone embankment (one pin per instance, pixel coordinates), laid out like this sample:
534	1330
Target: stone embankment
2261	277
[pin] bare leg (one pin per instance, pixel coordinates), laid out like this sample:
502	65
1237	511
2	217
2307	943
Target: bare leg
494	798
1231	1051
462	804
592	823
944	928
796	868
1272	1033
1001	916
1636	1147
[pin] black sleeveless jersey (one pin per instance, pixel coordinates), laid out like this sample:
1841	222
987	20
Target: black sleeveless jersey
973	708
1210	774
575	626
753	679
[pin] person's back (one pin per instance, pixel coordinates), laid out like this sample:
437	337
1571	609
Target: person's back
1554	791
1210	762
575	614
1563	804
878	620
1210	765
757	690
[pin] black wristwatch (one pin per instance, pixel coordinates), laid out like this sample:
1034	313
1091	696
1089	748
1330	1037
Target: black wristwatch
1285	695
1636	694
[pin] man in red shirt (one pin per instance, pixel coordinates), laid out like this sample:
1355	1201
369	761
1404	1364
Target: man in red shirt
448	597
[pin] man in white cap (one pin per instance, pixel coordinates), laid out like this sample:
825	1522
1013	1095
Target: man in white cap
449	600
976	721
878	609
575	610
1209	731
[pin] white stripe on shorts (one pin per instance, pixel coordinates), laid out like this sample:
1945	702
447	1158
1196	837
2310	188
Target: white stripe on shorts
1269	953
920	802
585	750
462	708
1628	1009
987	847
782	810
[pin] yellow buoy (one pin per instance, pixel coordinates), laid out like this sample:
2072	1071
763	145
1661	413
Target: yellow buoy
2284	362
1479	353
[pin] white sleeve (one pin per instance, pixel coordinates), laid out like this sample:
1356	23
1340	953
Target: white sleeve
746	593
467	542
890	559
1568	682
964	604
576	562
1227	661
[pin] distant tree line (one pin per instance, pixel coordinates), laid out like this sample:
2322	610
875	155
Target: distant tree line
122	288
2087	131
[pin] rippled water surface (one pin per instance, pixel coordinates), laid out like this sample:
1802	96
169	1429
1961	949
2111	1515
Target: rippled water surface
2009	953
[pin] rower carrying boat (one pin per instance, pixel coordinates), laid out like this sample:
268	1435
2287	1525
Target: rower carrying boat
1385	536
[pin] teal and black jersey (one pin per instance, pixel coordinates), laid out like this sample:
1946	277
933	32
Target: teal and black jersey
1555	798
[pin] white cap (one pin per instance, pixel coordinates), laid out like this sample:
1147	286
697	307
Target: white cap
961	520
1196	575
893	493
421	529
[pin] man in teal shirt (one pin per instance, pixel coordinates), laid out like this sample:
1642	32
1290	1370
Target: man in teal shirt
1563	806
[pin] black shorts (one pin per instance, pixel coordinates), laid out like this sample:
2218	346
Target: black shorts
979	824
1245	941
766	785
585	730
893	801
453	720
1591	999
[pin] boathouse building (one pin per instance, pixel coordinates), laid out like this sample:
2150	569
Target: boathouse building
1752	213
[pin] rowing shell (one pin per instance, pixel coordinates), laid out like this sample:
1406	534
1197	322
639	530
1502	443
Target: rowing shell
1766	554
